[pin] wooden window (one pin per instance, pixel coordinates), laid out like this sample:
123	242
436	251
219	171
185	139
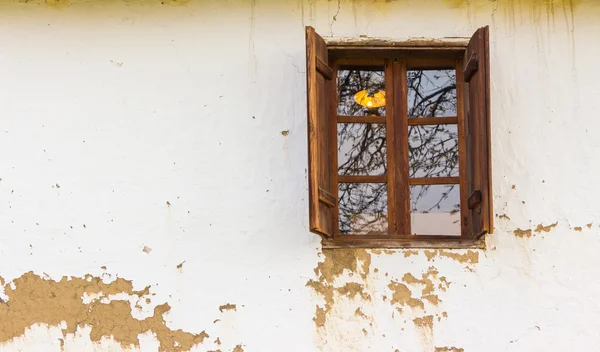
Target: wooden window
399	142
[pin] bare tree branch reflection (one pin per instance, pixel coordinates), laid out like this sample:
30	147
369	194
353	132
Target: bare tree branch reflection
433	149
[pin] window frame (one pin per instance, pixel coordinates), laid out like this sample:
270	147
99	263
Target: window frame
397	58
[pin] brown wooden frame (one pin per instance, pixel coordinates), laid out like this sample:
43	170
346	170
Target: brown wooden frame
397	177
397	58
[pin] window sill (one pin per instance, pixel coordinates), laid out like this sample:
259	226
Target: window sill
402	242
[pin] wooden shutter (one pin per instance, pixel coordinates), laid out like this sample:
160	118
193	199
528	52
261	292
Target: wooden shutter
319	85
479	166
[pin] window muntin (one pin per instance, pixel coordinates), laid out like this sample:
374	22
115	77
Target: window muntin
426	121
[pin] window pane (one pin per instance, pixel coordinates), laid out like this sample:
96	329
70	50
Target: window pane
435	210
431	93
363	208
361	92
433	150
361	149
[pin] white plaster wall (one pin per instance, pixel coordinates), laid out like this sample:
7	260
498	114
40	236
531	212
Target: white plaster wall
128	105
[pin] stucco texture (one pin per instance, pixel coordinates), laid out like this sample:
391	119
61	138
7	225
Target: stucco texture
153	186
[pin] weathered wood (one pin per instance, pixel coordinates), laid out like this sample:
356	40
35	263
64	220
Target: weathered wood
358	63
406	53
402	241
421	181
402	173
391	112
419	121
478	134
333	144
474	199
324	69
470	67
327	197
412	43
319	136
362	178
362	119
462	150
441	63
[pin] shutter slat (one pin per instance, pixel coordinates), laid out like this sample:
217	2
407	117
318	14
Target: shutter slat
324	69
470	67
326	197
319	82
477	104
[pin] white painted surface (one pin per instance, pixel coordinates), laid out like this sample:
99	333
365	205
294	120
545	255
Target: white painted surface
128	105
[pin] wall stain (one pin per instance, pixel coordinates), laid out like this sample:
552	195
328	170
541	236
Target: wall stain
238	348
174	2
57	3
35	300
577	228
449	349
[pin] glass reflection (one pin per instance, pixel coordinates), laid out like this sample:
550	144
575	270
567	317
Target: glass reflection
433	150
356	87
431	93
363	208
361	149
435	210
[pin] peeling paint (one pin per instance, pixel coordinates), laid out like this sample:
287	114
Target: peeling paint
424	322
522	233
382	251
227	306
401	295
543	228
359	313
57	3
408	253
35	300
449	349
334	264
469	257
174	2
320	317
353	289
